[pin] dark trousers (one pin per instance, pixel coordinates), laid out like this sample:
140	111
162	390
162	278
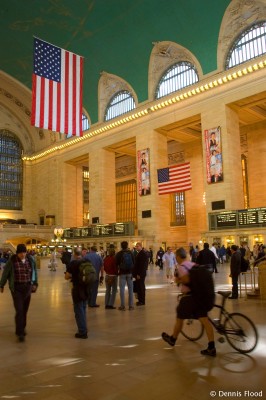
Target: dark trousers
141	289
235	286
21	299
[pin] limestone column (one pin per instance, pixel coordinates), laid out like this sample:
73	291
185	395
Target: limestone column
256	163
102	189
231	188
157	225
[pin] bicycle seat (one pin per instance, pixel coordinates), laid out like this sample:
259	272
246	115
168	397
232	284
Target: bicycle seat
225	293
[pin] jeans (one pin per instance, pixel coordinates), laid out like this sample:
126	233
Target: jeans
110	293
123	280
80	316
21	299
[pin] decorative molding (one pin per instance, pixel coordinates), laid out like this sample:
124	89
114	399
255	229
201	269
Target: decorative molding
108	86
125	171
19	104
163	56
177	157
16	101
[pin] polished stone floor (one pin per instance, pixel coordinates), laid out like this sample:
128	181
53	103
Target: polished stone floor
124	357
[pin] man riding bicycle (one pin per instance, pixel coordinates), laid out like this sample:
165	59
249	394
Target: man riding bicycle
195	302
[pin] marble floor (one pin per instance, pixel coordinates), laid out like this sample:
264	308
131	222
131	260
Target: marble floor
124	357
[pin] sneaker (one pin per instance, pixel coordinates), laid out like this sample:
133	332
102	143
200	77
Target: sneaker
21	338
209	352
131	308
121	308
169	339
81	336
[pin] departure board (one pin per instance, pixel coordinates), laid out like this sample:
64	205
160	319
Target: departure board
238	218
253	216
226	219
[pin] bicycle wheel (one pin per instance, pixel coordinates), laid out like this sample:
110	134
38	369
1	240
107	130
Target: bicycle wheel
192	329
241	333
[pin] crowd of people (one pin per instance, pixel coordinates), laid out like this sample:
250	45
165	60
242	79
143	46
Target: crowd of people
127	268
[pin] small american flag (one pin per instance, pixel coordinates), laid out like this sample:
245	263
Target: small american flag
56	89
175	178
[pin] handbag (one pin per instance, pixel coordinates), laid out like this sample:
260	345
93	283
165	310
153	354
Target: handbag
110	279
34	288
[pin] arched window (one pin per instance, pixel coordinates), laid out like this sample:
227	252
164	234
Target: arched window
85	123
250	44
121	103
11	177
177	77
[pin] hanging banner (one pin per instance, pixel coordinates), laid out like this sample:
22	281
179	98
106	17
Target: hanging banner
143	170
213	147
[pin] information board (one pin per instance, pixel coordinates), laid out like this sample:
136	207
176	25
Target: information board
251	217
226	219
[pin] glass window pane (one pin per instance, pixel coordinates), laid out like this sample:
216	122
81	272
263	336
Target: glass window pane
178	210
126	201
176	78
121	103
250	44
11	172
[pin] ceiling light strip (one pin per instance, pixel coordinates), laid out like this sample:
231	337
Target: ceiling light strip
165	103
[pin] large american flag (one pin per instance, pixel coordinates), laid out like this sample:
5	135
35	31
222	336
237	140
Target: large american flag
175	178
56	89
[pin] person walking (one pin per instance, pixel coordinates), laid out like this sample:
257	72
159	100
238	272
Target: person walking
21	273
125	263
97	262
111	278
159	257
79	294
139	273
169	262
214	250
235	269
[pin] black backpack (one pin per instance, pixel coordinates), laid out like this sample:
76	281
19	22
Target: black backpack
202	286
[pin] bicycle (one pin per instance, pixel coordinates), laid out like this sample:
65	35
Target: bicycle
239	331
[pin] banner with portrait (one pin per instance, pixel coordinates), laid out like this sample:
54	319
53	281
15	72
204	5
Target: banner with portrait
143	171
214	160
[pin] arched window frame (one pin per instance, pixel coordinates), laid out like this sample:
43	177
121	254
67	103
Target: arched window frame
11	172
250	44
121	103
177	77
85	122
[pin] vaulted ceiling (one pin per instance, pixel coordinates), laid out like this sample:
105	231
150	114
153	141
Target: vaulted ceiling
115	36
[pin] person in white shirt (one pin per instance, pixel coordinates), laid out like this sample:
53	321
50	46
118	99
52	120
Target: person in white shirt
170	263
213	249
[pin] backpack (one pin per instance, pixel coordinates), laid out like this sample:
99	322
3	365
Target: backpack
87	273
126	263
202	286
